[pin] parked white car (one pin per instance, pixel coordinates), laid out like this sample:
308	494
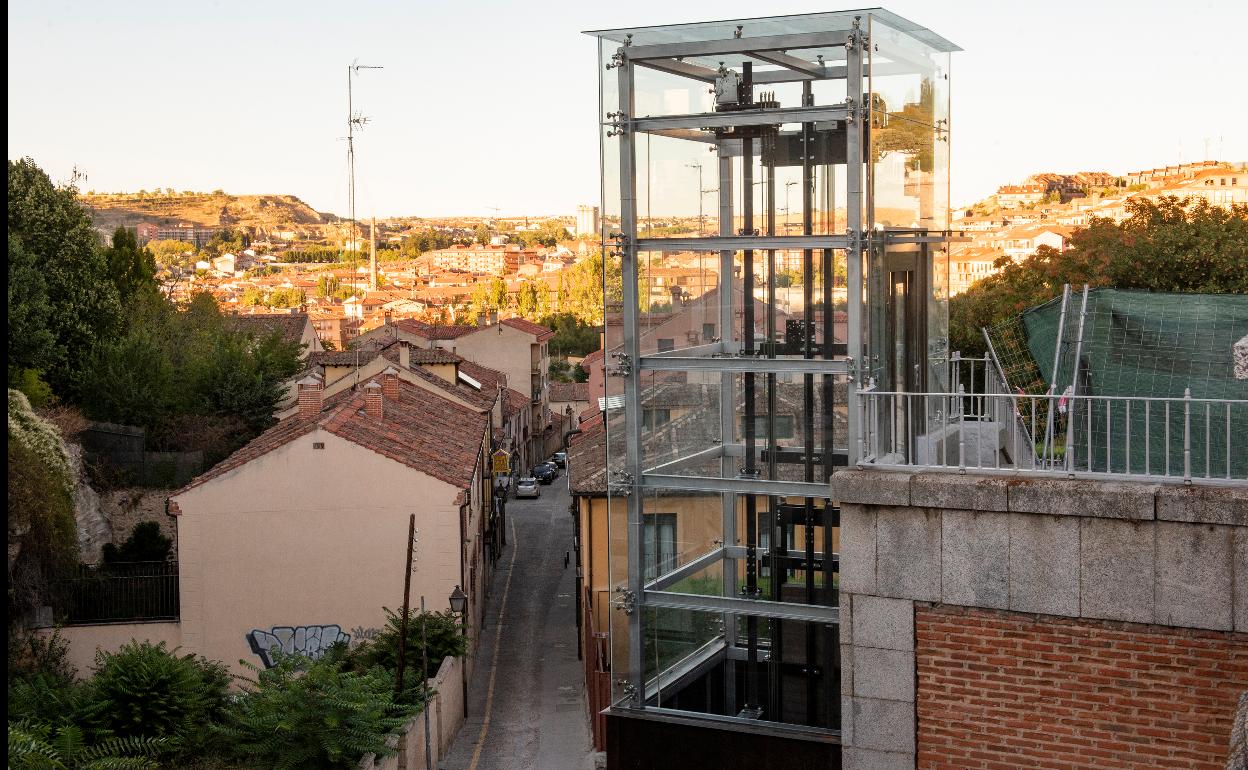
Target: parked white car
528	487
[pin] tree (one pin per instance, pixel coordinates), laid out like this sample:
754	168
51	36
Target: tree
55	233
482	234
1169	245
327	285
30	335
581	287
526	300
170	253
133	270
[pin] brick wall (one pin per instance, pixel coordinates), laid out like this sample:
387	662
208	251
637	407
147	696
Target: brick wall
1066	693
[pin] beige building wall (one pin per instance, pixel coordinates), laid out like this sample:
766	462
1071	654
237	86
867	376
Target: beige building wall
84	641
310	537
516	354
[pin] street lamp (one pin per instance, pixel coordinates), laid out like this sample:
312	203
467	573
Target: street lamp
787	185
459	606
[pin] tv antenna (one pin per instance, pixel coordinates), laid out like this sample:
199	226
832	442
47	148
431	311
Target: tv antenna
354	120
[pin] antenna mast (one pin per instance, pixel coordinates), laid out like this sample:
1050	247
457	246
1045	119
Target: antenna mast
353	120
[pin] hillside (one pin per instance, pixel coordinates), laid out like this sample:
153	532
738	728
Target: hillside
205	209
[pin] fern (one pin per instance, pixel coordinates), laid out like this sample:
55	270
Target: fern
36	746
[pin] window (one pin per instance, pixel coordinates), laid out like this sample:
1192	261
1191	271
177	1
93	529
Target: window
653	418
786	426
660	544
666	344
708	332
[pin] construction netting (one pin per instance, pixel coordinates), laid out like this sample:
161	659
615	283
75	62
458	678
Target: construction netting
1149	379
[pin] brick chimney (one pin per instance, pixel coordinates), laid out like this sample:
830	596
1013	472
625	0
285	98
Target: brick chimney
310	392
373	399
405	355
390	384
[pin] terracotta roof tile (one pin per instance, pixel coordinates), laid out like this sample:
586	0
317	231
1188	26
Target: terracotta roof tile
433	332
569	391
433	435
289	325
537	330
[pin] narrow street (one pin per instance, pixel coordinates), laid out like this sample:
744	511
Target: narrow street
526	703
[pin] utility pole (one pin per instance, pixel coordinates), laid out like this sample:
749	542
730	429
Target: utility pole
353	120
698	166
372	255
407	593
424	684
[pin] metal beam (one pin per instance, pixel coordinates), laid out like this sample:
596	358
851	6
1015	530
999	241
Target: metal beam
741	242
779	58
743	364
771	116
684	69
685	570
810	613
713	453
761	487
680	674
740	45
709	349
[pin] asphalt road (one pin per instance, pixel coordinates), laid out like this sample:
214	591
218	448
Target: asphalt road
528	709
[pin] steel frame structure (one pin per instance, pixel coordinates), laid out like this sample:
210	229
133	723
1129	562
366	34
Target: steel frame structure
739	135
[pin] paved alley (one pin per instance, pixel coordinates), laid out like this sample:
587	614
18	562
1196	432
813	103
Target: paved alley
526	704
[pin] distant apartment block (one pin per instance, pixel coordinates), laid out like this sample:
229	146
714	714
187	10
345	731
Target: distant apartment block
587	222
494	259
1012	196
181	232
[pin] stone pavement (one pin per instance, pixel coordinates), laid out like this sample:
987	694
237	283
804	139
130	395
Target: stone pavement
534	700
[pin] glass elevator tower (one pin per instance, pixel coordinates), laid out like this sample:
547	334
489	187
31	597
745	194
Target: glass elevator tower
775	222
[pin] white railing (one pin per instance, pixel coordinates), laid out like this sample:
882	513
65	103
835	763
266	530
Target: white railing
1173	439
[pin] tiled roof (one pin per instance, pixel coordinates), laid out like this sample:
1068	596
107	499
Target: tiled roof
433	332
569	391
537	330
516	401
595	357
289	325
432	435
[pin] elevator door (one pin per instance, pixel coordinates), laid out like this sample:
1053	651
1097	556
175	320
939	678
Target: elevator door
905	343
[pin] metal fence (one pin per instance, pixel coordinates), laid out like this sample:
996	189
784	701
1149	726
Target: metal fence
1147	438
120	592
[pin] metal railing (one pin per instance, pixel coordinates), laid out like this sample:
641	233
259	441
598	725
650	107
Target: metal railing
119	592
1147	438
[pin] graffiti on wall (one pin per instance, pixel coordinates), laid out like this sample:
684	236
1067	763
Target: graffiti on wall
360	634
311	641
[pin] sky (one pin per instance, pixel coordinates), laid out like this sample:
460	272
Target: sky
491	106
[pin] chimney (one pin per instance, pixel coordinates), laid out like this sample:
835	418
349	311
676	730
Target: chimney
390	384
373	400
310	392
405	355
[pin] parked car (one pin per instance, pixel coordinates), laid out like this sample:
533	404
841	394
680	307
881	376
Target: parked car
554	469
544	473
528	487
560	459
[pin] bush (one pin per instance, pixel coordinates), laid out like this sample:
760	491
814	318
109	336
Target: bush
443	635
35	746
146	543
42	688
305	714
147	691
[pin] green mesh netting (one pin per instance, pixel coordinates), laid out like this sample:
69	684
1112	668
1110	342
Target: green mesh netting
1140	345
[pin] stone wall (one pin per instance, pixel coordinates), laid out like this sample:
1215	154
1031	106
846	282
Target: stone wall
124	508
1160	556
446	717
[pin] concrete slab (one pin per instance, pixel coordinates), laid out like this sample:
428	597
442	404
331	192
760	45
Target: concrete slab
1083	497
887	674
870	487
1044	564
884	623
1203	505
884	725
975	559
908	554
1194	575
1240	579
1117	570
964	492
858	560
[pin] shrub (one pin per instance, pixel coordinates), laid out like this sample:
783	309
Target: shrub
147	691
146	543
305	714
42	687
443	637
35	746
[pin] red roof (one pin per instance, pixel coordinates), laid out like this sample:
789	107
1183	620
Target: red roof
537	330
435	436
433	332
569	391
